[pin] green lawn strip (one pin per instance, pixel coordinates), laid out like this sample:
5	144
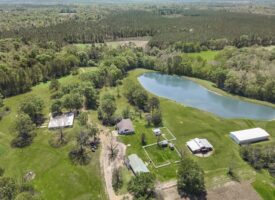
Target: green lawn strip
126	177
56	177
187	123
264	185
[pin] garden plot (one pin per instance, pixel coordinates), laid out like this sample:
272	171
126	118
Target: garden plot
161	156
167	134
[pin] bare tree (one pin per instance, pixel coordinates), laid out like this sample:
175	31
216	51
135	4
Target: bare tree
113	151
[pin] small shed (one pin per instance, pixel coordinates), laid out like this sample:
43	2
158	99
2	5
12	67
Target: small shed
125	127
163	143
199	145
171	146
65	120
136	164
157	131
249	135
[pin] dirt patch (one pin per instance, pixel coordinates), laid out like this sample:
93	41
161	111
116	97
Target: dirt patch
138	43
233	191
108	165
229	191
204	155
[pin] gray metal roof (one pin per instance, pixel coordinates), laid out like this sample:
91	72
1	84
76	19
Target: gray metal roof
65	120
137	164
125	124
206	143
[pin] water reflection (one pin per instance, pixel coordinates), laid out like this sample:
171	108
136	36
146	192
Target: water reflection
192	94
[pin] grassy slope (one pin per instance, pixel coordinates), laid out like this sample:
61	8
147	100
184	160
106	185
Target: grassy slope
56	177
187	123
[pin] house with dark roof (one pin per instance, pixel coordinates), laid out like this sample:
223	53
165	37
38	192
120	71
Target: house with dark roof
125	127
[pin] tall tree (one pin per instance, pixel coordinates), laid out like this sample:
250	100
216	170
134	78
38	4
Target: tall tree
24	128
33	107
142	186
117	180
190	178
56	107
1	100
90	95
54	85
73	101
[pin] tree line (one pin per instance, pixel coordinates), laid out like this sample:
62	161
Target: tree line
260	157
209	28
23	65
245	72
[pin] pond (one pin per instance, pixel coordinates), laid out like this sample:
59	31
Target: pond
189	93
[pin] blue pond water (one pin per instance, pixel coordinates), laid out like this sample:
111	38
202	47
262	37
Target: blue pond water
187	92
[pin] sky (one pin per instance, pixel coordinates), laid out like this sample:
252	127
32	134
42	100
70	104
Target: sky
124	1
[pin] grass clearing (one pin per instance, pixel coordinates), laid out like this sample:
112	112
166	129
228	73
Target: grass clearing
56	177
207	55
187	123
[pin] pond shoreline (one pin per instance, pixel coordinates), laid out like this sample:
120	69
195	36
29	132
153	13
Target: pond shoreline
209	99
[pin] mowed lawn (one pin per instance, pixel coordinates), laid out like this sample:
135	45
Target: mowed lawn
162	155
187	123
56	177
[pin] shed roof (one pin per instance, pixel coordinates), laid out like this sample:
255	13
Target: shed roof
198	144
206	143
65	120
193	145
125	124
249	134
137	164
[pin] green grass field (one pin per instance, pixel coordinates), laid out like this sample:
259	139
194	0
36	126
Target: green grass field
167	134
207	55
56	177
161	156
187	123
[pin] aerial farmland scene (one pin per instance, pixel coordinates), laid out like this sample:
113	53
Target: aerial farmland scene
137	100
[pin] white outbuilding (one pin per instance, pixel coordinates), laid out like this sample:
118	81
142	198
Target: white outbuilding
157	131
198	145
249	135
65	120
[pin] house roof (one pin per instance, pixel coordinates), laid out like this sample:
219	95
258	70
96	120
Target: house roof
137	164
60	121
193	145
125	124
198	144
249	134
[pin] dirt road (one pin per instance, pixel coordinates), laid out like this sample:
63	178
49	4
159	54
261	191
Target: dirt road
108	165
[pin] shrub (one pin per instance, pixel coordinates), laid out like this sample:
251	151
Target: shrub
83	118
117	181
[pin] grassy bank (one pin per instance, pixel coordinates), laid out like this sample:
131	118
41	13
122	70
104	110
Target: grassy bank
209	56
56	177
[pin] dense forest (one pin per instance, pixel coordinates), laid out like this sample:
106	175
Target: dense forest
43	51
23	65
208	28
